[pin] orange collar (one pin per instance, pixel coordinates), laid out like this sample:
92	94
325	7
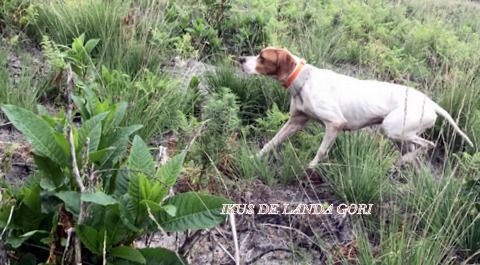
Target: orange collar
294	74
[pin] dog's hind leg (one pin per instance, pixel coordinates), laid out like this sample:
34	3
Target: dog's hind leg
404	126
404	147
412	156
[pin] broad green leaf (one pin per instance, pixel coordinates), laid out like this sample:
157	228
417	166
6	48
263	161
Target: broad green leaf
126	216
89	237
77	43
119	140
62	142
50	170
50	120
170	209
71	200
94	136
99	155
16	242
144	186
38	132
86	129
91	44
42	111
154	206
49	202
121	182
102	106
140	159
120	110
194	211
27	214
28	259
80	104
47	184
98	198
92	100
32	196
168	173
128	253
135	194
155	193
162	256
115	115
106	75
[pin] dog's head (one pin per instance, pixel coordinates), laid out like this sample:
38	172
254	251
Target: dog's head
275	62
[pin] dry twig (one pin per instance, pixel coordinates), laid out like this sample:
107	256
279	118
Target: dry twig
75	170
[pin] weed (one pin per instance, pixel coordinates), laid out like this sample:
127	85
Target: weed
23	88
221	116
257	94
361	166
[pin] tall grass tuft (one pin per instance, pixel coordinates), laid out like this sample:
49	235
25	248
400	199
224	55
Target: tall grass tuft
124	31
360	162
23	90
444	208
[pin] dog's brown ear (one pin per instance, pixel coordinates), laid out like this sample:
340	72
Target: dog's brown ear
285	63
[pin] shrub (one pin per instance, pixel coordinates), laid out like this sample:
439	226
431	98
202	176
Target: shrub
14	15
360	171
444	208
156	100
269	125
171	104
25	89
400	244
256	95
221	116
217	27
124	37
244	167
116	196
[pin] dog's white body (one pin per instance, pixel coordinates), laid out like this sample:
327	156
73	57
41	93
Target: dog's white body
341	103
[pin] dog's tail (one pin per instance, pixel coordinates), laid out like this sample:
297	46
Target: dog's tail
442	112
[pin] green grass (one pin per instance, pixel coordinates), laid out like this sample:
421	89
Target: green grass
359	166
124	32
257	94
446	209
22	90
156	101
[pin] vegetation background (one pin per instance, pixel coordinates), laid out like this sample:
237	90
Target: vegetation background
144	53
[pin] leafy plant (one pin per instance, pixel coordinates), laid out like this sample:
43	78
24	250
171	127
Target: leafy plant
221	116
125	196
256	94
469	169
78	55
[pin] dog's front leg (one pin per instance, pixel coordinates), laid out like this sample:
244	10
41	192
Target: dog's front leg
296	122
331	132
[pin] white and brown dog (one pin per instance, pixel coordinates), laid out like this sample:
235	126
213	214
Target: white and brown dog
341	102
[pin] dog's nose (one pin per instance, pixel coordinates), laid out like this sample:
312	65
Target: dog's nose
242	59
